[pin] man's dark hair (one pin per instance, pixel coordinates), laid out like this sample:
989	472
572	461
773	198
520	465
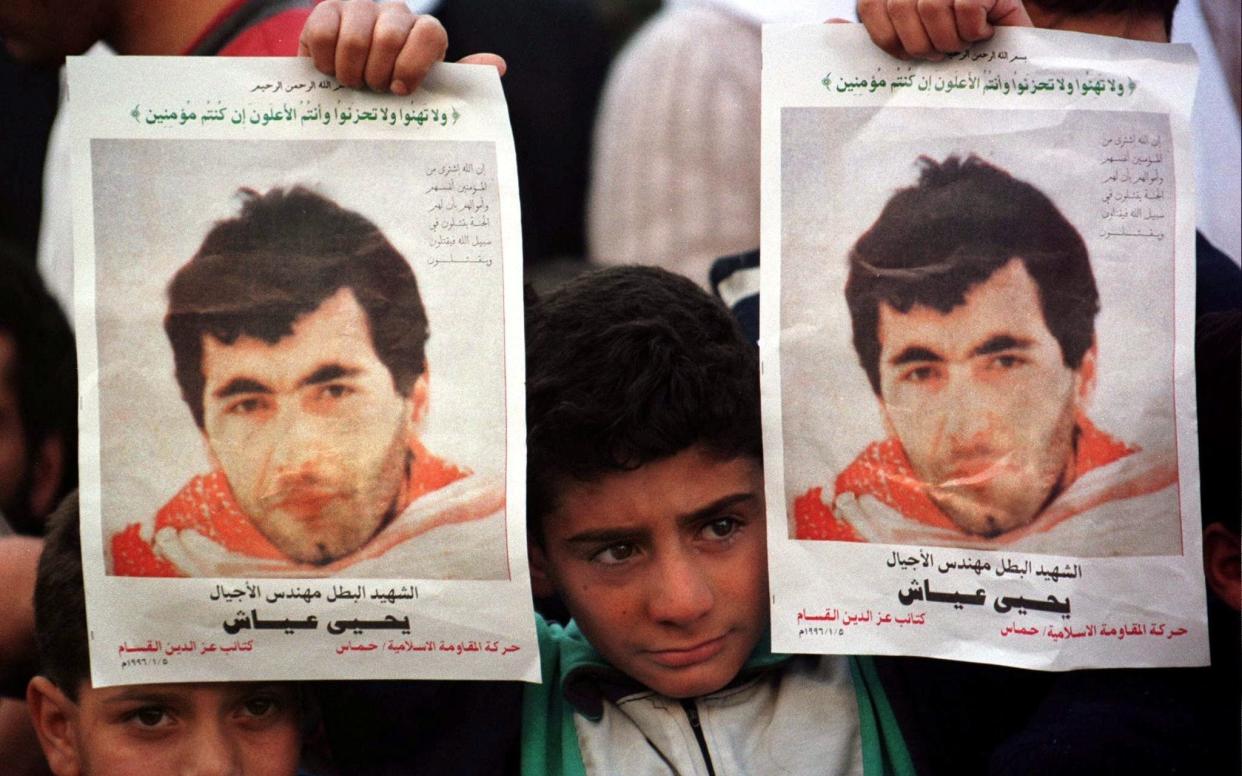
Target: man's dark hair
280	258
1164	8
60	602
626	366
963	221
44	379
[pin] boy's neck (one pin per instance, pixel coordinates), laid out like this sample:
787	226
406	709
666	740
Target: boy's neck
1130	25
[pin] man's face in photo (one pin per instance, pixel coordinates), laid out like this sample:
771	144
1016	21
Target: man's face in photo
310	431
982	401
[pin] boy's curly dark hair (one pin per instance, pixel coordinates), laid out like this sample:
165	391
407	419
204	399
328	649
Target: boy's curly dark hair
60	602
631	365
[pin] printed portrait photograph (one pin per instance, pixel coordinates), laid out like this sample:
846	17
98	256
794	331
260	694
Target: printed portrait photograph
301	359
977	331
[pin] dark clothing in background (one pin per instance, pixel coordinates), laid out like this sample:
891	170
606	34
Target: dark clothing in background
432	727
1218	281
28	96
558	54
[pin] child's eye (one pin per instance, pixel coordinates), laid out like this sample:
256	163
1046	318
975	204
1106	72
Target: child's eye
269	707
149	717
260	706
720	528
615	554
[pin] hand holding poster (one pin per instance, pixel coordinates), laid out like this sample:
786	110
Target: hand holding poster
301	430
978	382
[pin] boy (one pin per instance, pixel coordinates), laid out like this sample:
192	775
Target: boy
646	518
226	728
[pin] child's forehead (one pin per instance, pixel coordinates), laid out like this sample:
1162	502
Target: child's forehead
187	693
666	491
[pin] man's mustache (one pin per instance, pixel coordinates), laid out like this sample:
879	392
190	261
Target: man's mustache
304	484
976	466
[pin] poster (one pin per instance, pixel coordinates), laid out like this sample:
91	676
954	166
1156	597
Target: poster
301	374
978	383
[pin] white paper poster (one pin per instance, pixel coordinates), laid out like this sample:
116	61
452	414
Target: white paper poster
979	416
301	359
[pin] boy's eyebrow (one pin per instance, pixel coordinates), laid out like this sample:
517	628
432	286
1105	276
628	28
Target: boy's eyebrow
715	508
146	694
236	691
623	534
608	536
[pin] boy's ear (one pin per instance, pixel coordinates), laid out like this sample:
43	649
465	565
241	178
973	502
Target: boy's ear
49	468
55	719
1221	562
540	578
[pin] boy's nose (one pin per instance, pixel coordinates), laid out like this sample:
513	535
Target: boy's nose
682	594
212	752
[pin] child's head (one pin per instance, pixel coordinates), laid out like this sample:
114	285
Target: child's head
645	475
206	728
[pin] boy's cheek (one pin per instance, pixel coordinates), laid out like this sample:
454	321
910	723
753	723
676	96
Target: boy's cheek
275	752
110	750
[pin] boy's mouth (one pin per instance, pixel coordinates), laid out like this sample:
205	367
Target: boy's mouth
693	654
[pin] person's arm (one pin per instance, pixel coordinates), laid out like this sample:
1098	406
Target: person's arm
381	46
929	29
463	728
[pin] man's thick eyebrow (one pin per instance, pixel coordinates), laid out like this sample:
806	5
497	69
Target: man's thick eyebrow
327	373
915	353
240	385
999	343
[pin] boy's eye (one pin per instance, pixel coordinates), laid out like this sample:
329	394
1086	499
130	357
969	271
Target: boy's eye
260	706
615	554
150	716
265	708
721	528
